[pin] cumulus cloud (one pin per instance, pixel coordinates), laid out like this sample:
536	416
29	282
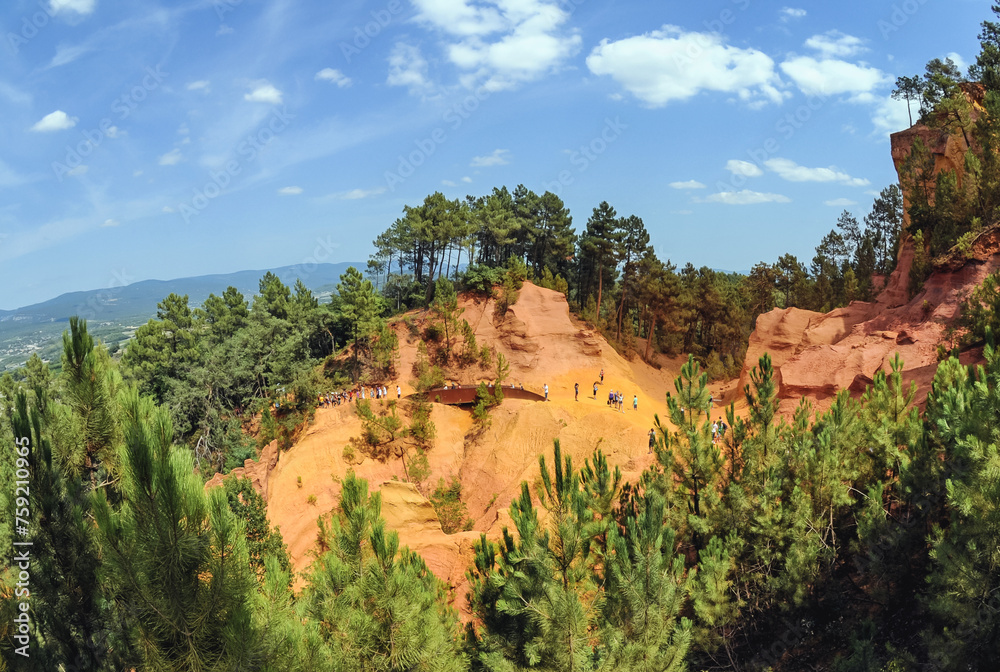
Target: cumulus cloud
408	67
840	203
891	115
171	158
744	197
501	42
111	222
499	157
334	76
790	13
828	77
78	170
690	184
82	7
264	92
744	168
448	183
200	85
467	179
290	191
670	64
835	44
793	172
957	59
54	121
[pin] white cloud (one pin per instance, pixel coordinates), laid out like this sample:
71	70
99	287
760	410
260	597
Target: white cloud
167	209
670	64
200	85
78	170
957	59
835	44
744	168
789	13
111	222
690	184
467	179
77	6
264	92
793	172
448	183
744	197
828	77
840	203
500	43
499	157
224	30
113	132
357	194
408	67
334	76
54	121
136	173
683	213
171	158
890	116
290	191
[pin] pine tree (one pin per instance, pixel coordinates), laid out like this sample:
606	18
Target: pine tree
965	580
536	600
378	607
641	627
175	560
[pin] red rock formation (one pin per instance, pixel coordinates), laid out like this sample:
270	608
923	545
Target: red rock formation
817	354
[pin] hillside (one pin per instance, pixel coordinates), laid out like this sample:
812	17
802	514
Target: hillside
544	345
115	312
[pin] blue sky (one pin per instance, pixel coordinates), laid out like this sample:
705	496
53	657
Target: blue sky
159	140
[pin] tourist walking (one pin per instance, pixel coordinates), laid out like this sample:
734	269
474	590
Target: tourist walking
576	391
546	391
652	439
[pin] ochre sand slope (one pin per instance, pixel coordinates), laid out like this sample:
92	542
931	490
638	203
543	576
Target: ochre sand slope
543	345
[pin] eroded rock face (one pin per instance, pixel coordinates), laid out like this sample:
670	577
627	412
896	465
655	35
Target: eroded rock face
815	354
258	471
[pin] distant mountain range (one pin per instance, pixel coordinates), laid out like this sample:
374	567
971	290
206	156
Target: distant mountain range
113	314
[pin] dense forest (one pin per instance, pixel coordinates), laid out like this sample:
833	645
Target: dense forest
863	538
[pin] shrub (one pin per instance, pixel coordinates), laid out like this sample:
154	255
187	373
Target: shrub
451	510
481	279
311	499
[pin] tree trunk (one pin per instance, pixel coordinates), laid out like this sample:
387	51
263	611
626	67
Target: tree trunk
600	290
649	337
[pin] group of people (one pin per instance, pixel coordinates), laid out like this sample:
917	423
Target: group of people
616	400
377	392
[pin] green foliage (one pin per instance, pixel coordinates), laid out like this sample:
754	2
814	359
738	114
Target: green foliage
388	600
174	559
921	266
263	543
449	507
980	312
